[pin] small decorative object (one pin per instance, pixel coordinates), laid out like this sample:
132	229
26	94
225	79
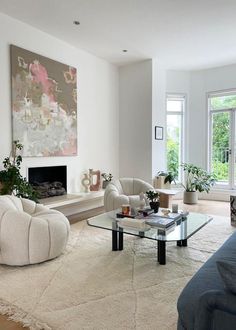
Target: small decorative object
86	181
174	208
126	209
95	185
142	202
107	177
165	212
11	181
154	198
196	179
158	133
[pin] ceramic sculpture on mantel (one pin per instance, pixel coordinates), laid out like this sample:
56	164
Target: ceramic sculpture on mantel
95	185
86	182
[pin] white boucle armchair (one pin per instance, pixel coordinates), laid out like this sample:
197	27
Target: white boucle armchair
30	233
124	191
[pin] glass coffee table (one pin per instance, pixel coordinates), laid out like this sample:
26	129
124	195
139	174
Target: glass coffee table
180	232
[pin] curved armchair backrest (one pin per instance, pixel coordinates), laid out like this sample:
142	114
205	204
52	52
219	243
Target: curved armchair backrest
124	191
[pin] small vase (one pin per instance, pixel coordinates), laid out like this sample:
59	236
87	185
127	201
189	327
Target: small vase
154	206
105	184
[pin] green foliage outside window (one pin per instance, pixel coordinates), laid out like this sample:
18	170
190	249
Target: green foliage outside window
221	135
172	156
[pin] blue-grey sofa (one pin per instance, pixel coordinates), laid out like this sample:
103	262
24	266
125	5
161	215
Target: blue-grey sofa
205	303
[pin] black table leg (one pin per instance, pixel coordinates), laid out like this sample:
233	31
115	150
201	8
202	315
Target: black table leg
161	253
121	239
114	240
182	242
117	240
141	234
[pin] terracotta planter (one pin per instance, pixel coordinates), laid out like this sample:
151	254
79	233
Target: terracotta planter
190	197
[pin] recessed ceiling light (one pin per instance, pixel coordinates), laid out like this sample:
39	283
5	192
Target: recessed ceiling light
124	50
76	22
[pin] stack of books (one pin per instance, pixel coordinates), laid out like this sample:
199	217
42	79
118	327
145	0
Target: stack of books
164	222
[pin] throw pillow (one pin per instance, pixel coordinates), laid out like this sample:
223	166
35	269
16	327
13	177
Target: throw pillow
227	270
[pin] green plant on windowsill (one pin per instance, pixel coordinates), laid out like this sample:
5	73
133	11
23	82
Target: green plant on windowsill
170	176
11	181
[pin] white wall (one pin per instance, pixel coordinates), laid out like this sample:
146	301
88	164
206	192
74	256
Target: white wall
136	120
203	82
158	117
196	85
98	102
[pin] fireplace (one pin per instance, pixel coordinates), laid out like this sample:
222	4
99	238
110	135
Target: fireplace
48	181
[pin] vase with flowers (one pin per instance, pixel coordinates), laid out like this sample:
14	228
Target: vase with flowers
107	177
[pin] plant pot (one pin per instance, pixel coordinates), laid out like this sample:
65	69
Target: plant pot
105	184
167	185
154	206
190	197
159	182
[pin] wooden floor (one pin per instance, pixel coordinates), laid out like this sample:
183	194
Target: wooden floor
203	206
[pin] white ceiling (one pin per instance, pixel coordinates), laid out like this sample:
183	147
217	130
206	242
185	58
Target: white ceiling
181	34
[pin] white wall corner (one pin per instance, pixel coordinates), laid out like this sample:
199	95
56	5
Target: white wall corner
158	116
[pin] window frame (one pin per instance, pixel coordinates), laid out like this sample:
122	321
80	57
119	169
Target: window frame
210	112
183	98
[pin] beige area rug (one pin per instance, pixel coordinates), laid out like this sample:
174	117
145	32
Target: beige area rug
91	287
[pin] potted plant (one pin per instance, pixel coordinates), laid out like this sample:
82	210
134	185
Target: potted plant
154	198
11	181
107	177
164	179
170	177
196	179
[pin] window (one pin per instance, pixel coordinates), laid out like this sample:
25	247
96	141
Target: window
175	106
222	114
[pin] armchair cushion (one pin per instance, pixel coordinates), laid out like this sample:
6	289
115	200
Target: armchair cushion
124	191
30	233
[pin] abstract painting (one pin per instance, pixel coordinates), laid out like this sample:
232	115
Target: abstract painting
44	104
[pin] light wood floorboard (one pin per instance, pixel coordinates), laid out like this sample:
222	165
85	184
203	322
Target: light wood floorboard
203	206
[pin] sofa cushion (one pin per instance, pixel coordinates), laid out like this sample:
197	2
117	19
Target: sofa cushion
207	278
227	270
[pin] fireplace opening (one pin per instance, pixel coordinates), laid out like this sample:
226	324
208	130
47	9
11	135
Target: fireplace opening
48	181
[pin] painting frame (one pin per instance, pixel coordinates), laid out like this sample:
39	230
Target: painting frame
159	133
43	104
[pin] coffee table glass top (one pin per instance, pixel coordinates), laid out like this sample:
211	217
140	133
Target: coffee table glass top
182	230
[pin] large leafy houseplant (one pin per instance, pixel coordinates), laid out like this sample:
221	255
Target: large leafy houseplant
11	181
197	179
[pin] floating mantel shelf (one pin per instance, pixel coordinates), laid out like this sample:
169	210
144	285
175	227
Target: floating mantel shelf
71	204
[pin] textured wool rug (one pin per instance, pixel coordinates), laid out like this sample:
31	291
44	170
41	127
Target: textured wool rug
91	287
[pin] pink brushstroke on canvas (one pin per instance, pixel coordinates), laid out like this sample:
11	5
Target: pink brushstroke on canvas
40	75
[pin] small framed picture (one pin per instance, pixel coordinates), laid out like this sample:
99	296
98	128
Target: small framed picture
158	133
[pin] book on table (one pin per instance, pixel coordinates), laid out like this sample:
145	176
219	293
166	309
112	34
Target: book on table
160	221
